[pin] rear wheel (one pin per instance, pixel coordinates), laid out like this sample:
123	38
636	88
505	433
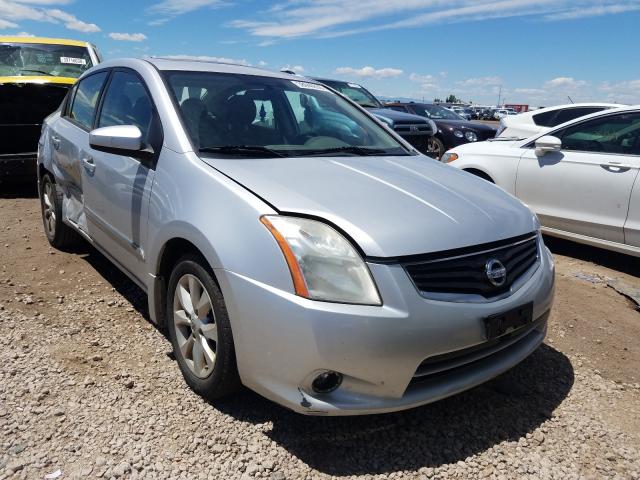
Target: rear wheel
199	330
58	234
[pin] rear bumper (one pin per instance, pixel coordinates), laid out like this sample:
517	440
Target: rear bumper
18	166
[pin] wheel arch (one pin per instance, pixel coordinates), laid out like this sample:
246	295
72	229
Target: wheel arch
479	173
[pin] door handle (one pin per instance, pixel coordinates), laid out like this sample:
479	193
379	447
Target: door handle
89	165
615	167
56	142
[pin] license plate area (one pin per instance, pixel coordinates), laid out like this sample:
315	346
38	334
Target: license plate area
501	323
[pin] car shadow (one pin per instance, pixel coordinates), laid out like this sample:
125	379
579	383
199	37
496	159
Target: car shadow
606	258
504	409
507	408
18	190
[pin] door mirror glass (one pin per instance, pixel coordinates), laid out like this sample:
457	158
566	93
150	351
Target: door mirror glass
119	138
547	144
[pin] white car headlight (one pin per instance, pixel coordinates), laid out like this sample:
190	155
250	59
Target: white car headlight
471	136
449	157
458	133
323	264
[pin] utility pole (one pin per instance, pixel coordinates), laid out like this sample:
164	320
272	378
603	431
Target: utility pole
499	96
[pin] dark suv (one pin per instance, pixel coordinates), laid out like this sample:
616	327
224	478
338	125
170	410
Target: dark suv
414	129
453	130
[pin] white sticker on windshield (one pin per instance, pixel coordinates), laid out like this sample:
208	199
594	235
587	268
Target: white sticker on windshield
73	61
309	85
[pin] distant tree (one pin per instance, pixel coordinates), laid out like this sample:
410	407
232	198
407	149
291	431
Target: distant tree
452	99
437	100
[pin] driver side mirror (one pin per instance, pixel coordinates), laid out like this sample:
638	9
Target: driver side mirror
121	139
547	144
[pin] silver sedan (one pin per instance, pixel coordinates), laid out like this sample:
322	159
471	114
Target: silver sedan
289	241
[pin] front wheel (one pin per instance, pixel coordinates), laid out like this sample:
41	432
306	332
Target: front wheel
435	148
199	330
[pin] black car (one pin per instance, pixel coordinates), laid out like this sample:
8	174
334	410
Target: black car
453	130
415	129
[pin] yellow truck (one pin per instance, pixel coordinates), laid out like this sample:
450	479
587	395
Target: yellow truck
35	75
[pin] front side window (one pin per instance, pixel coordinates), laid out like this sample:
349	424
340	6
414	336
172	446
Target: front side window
262	116
32	59
618	134
85	99
126	102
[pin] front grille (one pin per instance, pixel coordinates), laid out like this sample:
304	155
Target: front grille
464	271
413	129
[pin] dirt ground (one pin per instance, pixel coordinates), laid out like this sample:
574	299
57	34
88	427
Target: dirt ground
81	302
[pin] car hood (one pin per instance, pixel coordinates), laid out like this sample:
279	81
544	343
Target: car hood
390	206
397	117
463	124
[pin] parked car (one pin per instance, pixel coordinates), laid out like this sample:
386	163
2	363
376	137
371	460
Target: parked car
414	129
537	121
35	75
461	112
290	242
500	113
579	177
453	130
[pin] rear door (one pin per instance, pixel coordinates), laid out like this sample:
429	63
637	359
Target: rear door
70	144
585	188
117	187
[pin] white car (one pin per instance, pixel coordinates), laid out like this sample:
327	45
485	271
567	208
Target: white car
501	113
580	178
531	123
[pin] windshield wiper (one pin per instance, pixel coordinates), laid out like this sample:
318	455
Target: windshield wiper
37	71
242	150
363	151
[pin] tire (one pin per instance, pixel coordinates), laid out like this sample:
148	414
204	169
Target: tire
480	174
435	148
59	234
195	337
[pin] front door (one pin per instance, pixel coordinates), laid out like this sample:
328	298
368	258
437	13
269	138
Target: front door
585	187
117	187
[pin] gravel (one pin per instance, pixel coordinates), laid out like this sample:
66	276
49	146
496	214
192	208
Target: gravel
89	387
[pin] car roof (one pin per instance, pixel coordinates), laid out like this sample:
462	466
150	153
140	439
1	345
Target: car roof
203	65
43	40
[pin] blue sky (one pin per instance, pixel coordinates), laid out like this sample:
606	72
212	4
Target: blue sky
537	51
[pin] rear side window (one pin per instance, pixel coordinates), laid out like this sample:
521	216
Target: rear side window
85	100
569	114
127	102
544	119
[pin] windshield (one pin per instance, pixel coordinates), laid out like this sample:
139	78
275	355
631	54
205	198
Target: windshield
32	59
436	112
256	116
355	92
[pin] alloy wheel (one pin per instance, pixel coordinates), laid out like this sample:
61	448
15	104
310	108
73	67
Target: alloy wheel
433	149
195	325
49	211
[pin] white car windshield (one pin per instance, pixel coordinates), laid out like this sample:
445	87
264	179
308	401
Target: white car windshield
247	115
33	59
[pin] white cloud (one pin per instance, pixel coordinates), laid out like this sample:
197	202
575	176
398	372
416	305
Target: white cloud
568	83
7	24
331	18
595	11
128	37
480	82
167	9
414	77
294	68
207	58
369	72
14	11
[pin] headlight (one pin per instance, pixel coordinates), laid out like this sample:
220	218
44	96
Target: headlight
385	120
536	222
458	133
471	136
323	264
449	157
